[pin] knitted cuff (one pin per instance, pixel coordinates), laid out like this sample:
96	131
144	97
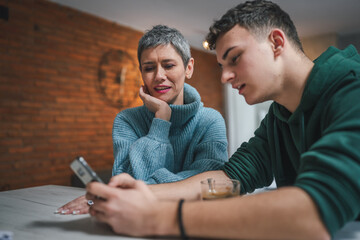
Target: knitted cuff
159	129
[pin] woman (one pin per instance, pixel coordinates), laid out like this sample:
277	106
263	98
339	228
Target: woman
172	136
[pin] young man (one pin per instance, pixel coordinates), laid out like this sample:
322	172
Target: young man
308	141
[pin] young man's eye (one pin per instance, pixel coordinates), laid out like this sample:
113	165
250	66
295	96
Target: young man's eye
234	59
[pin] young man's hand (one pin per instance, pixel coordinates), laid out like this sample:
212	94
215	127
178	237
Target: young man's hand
126	204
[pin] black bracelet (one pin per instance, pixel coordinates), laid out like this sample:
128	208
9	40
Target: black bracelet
181	225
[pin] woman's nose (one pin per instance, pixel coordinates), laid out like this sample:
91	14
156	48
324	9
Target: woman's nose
160	74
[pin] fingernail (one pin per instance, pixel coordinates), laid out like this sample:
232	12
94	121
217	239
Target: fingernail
75	212
64	211
56	211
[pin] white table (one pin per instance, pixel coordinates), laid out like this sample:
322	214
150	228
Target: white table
29	214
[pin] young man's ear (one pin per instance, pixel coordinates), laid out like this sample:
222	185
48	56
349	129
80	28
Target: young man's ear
277	39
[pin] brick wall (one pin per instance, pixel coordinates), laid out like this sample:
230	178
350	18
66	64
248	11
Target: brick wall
51	108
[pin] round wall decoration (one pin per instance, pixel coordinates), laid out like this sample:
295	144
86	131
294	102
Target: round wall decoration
119	78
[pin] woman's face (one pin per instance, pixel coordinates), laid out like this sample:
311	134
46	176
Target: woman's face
164	74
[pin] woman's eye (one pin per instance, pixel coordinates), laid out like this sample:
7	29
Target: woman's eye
148	69
169	66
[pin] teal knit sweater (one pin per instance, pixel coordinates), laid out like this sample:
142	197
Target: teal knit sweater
158	151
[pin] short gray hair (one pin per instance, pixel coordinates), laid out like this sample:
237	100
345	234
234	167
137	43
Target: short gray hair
164	35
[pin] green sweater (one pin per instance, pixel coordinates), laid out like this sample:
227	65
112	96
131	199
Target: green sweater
317	148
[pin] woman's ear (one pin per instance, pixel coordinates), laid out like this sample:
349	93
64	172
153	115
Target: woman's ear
189	68
277	40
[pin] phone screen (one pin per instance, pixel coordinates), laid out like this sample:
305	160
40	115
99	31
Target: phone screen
82	169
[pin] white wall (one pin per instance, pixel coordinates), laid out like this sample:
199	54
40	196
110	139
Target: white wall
241	118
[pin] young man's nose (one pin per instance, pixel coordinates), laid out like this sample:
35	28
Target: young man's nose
226	76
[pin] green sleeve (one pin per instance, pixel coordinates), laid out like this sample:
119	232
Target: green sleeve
330	170
250	164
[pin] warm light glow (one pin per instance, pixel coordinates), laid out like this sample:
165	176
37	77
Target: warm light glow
206	45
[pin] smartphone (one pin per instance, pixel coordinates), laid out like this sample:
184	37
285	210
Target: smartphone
82	169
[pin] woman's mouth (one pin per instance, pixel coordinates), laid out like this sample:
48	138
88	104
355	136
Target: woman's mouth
162	89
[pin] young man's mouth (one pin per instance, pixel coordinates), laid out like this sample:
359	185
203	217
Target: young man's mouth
241	88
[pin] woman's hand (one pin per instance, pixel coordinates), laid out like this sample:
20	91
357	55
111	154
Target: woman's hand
161	109
126	204
77	206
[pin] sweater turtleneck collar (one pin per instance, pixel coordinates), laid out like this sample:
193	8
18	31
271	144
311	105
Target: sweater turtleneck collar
180	114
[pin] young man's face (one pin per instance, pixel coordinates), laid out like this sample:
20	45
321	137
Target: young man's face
249	65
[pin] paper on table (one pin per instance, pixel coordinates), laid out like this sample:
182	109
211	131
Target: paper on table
6	235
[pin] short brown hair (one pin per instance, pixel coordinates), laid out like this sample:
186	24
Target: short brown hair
257	17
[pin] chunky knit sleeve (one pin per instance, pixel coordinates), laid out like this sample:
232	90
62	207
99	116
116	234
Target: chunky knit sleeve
207	150
138	153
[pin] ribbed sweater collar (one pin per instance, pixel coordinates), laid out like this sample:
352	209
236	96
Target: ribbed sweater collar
180	114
